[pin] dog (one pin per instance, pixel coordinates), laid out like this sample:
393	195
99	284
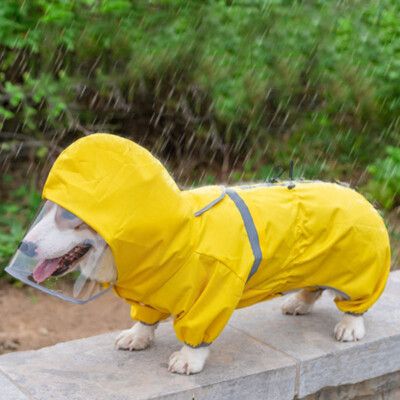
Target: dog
162	247
59	232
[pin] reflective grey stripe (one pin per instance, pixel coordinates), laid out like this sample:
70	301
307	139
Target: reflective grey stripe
61	296
209	205
250	229
248	223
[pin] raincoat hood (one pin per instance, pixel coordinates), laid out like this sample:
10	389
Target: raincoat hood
125	194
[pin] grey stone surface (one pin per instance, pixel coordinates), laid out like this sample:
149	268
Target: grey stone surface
262	354
238	368
8	390
309	339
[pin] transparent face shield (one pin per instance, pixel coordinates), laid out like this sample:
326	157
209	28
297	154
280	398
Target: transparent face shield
64	257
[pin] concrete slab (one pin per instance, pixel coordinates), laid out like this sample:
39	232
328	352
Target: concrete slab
309	339
9	391
239	368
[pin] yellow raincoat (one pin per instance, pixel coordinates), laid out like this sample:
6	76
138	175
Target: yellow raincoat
200	254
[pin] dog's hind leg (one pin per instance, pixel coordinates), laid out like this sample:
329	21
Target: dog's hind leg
139	337
301	302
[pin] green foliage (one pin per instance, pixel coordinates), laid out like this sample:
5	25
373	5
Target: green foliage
15	216
385	183
227	79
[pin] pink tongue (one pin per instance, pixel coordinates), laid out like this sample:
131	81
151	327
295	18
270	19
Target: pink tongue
45	269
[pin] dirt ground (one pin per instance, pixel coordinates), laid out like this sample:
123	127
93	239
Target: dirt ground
30	319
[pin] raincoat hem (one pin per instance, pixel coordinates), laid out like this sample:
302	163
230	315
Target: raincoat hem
147	324
202	344
354	314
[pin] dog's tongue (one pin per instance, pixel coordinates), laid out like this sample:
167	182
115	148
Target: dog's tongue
45	269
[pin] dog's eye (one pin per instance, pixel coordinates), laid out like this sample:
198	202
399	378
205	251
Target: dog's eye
80	226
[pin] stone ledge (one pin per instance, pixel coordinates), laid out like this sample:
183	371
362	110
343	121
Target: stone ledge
261	355
386	387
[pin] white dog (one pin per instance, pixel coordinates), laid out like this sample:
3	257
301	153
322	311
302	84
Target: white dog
62	240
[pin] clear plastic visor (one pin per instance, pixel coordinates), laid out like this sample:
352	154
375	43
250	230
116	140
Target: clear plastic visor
64	257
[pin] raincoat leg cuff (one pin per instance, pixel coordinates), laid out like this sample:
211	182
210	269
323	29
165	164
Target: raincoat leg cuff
145	323
355	314
203	344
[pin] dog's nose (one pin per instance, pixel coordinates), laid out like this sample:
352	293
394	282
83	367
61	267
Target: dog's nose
28	248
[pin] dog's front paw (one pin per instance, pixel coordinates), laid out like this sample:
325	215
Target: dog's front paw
188	360
139	337
350	329
296	306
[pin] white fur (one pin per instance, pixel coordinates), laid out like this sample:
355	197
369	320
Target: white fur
52	238
301	303
188	360
139	337
295	306
185	361
350	329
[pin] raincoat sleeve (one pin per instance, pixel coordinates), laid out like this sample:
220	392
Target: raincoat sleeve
209	314
146	314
